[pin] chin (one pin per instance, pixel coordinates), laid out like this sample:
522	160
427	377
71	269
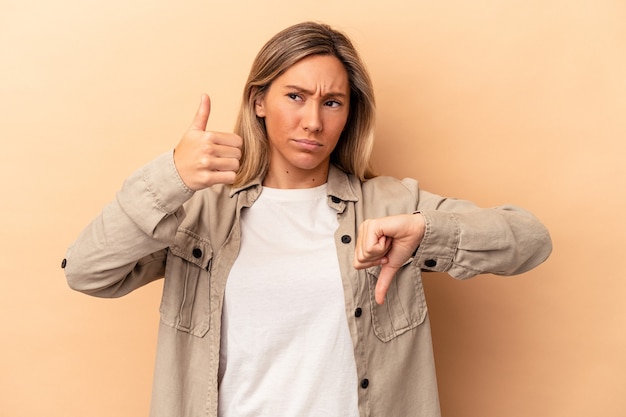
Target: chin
309	165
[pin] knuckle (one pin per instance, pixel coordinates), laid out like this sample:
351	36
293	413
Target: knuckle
209	148
209	136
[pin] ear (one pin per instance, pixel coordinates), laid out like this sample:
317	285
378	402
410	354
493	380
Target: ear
259	106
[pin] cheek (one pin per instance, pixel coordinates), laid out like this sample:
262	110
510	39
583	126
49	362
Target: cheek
281	119
338	125
279	128
275	127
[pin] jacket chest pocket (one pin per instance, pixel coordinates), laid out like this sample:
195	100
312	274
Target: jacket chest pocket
405	304
185	302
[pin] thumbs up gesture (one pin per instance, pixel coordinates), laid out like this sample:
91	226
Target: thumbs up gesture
205	158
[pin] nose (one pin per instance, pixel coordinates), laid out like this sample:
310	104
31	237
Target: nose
311	117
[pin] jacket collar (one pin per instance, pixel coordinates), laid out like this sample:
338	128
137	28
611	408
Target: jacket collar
341	187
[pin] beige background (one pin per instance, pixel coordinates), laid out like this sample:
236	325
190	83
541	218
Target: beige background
516	101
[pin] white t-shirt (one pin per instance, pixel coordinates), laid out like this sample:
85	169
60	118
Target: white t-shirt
286	348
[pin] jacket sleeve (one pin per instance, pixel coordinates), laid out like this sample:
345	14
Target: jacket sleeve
465	240
125	246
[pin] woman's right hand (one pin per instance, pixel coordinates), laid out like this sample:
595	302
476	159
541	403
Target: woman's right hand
205	158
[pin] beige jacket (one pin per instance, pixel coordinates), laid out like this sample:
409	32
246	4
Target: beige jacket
157	227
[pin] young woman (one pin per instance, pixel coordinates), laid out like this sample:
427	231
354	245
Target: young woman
292	273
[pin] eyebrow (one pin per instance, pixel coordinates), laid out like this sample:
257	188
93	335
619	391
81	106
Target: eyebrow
310	92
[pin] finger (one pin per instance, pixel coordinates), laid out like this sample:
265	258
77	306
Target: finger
374	249
223	177
221	151
228	152
201	118
226	139
387	273
222	164
369	264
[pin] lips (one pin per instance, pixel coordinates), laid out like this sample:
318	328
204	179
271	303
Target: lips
308	144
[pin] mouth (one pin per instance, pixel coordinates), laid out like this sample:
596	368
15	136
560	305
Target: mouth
308	144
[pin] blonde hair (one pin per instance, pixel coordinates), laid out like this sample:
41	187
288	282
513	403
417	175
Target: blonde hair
353	151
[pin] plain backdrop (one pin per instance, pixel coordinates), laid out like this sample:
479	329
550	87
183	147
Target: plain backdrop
520	101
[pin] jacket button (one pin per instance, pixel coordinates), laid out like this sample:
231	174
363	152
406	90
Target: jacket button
346	239
63	263
197	253
365	383
358	312
431	263
335	200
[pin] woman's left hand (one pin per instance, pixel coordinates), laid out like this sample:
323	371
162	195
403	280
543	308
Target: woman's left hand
389	242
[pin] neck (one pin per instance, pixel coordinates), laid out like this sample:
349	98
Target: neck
290	178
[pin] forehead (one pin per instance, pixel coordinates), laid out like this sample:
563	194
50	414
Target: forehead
316	72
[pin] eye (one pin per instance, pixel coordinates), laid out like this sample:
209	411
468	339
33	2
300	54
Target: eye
294	96
332	103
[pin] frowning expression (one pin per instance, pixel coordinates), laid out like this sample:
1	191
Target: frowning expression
305	110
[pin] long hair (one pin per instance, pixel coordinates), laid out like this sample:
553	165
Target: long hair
353	151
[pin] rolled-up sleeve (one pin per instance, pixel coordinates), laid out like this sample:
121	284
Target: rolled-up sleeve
465	240
123	248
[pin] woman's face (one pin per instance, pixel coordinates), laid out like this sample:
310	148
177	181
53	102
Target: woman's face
305	111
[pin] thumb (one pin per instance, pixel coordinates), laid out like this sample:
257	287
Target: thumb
201	118
386	275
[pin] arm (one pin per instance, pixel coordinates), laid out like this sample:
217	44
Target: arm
453	236
464	240
125	246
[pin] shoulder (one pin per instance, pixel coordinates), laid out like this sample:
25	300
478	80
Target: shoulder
391	187
386	195
217	197
211	214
